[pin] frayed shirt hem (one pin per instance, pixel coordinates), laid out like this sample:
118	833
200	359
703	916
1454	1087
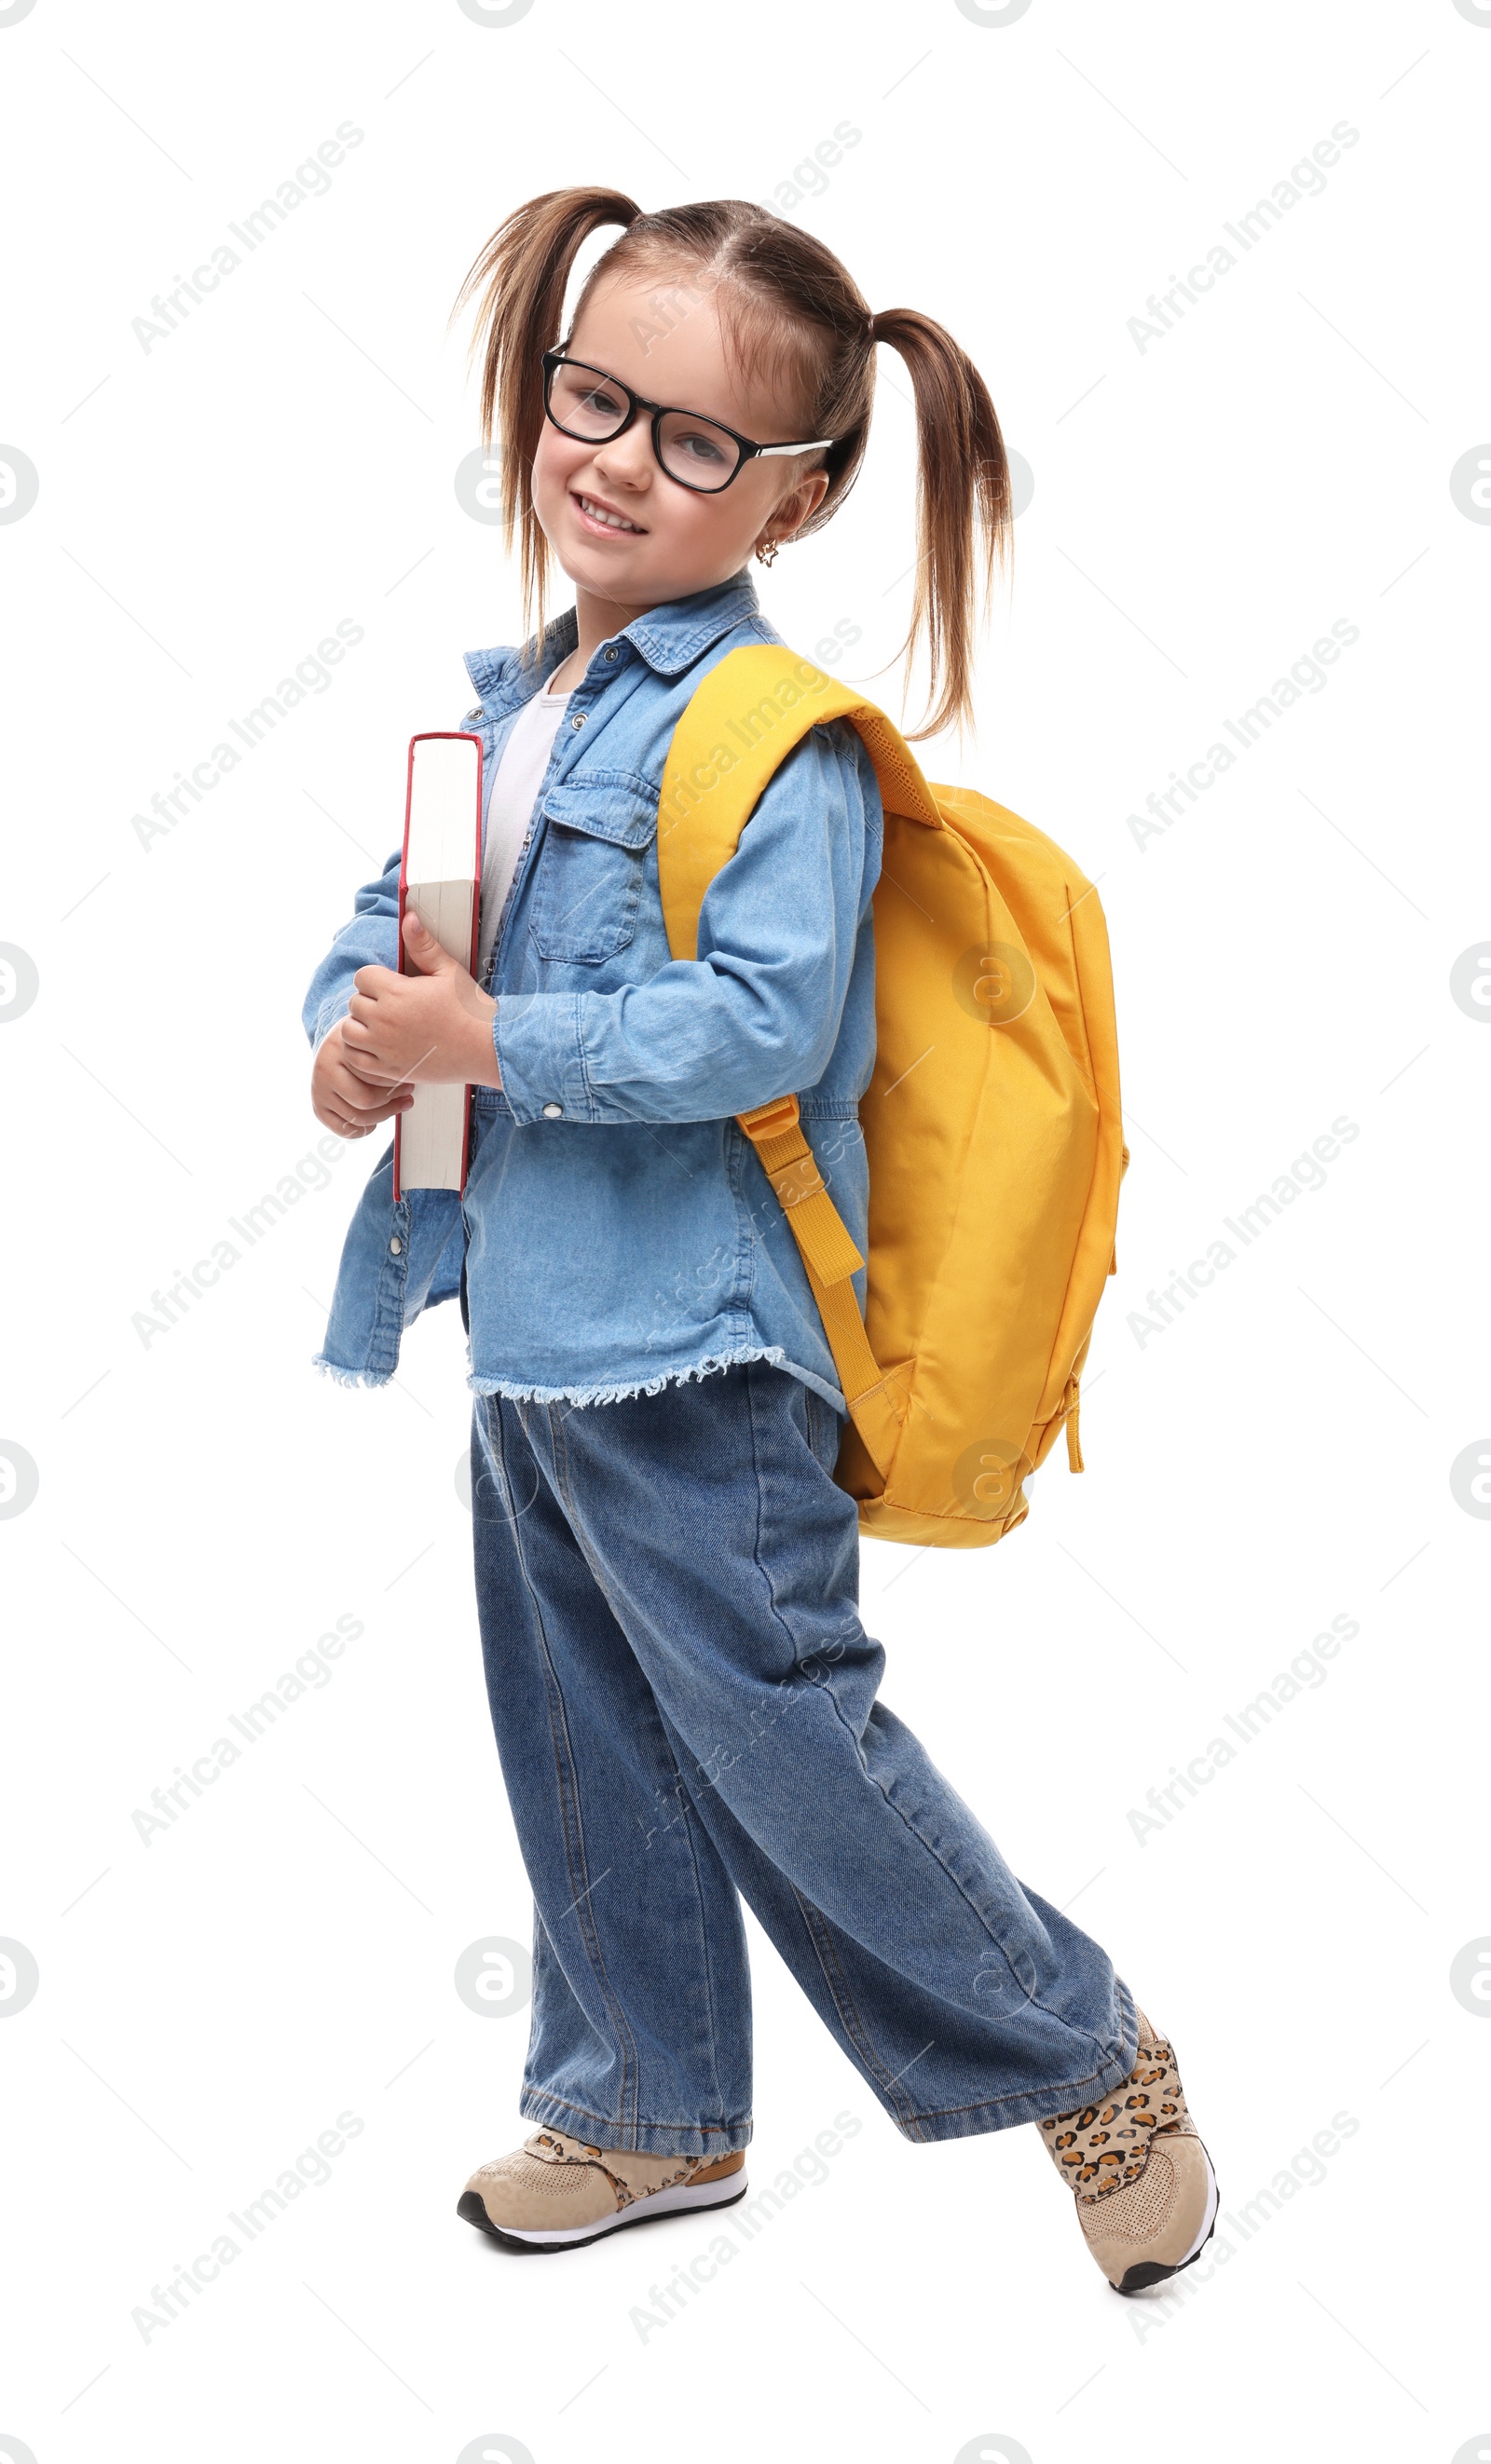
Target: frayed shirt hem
519	1391
344	1376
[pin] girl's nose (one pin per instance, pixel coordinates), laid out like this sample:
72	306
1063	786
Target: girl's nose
627	460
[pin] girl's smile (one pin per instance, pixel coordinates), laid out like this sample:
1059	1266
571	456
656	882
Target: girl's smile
599	517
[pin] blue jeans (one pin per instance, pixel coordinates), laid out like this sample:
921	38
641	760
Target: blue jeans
685	1701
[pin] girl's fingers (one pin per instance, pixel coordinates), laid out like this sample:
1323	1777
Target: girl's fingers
365	1062
371	1105
358	1050
352	1093
336	1112
363	1107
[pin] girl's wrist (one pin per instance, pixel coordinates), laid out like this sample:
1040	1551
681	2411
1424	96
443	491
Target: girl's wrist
483	1070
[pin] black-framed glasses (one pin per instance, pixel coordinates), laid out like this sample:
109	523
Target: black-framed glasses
699	454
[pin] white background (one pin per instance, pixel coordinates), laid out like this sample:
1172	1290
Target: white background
1204	509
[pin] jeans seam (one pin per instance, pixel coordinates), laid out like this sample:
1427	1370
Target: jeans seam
902	1816
691	1818
705	2129
556	1419
796	1665
837	1982
568	1793
1032	2001
544	2107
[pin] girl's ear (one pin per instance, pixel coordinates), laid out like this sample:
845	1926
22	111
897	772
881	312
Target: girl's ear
794	508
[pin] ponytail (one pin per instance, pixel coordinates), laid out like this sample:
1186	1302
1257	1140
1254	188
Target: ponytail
520	277
790	306
964	521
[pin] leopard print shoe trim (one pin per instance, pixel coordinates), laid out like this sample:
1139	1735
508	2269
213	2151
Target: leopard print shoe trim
631	2177
1100	2149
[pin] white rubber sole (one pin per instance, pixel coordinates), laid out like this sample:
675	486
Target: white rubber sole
681	2199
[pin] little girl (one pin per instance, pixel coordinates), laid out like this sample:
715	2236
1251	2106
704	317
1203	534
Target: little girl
684	1695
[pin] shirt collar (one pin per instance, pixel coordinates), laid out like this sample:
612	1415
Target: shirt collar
670	638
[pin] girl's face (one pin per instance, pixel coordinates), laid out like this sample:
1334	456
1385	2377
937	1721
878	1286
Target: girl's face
664	342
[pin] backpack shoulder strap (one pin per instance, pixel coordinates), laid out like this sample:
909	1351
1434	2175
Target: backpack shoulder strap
752	708
755	706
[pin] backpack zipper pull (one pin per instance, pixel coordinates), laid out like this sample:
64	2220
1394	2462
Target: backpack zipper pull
1071	1401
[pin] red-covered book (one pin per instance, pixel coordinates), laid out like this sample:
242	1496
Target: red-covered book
440	875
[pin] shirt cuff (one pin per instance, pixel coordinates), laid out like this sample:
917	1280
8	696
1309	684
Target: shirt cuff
541	1056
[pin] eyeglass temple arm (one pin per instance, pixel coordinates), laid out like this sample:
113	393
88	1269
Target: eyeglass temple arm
817	445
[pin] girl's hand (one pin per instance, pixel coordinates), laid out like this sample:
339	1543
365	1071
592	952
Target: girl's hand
345	1102
434	1028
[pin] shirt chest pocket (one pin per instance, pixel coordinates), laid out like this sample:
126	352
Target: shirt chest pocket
596	835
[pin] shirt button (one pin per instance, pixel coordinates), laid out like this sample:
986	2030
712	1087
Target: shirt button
578	722
553	1111
395	1246
613	652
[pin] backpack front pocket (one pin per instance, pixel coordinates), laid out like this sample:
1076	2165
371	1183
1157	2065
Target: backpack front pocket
590	873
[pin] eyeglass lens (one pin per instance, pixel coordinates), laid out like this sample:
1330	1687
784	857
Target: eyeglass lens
586	403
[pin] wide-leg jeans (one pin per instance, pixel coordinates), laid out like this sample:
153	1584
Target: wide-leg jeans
686	1709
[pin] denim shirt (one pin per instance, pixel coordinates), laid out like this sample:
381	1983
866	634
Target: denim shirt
616	1229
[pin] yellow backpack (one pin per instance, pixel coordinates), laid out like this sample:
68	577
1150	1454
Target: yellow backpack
991	1122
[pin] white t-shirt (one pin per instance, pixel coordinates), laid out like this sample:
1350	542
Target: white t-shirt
514	793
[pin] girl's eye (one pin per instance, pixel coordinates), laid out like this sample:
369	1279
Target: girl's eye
699	446
697	452
604	406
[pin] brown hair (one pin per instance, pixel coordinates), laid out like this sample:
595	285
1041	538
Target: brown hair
795	314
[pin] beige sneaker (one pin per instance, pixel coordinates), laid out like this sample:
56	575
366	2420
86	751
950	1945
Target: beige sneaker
1146	2192
555	2192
